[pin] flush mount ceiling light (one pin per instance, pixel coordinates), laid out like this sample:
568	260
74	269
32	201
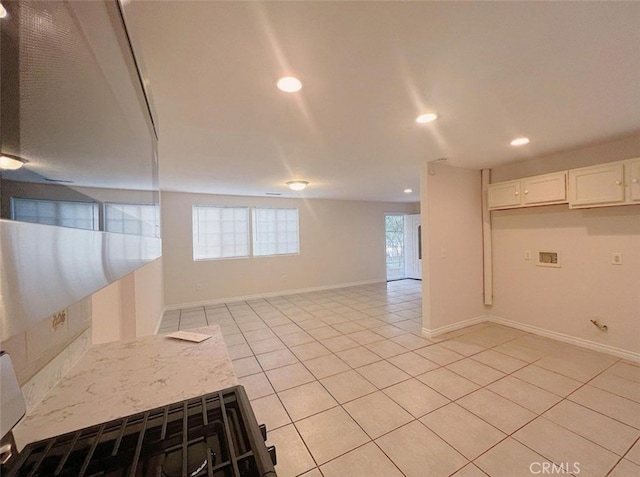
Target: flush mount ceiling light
297	185
408	191
9	163
289	84
520	141
431	165
3	11
426	118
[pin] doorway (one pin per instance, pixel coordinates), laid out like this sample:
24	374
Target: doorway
394	246
402	246
412	247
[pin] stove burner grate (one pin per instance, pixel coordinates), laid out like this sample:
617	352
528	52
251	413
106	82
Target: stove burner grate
215	435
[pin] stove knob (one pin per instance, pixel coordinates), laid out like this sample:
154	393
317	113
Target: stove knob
272	453
263	431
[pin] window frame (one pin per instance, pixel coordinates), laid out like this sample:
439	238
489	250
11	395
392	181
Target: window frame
195	234
94	205
158	231
254	223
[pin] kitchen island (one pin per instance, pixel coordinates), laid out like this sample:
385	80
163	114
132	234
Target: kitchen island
114	380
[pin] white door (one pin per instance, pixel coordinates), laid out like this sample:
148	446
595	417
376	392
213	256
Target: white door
412	247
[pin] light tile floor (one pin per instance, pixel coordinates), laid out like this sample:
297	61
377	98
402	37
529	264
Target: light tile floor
348	387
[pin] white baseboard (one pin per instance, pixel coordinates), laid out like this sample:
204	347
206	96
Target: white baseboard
219	301
588	344
592	345
453	327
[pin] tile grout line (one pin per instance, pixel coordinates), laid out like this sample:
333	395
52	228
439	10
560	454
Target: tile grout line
258	315
371	440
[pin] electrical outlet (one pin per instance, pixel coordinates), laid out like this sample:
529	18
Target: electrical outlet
198	286
616	258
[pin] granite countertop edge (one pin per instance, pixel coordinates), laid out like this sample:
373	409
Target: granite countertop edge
114	380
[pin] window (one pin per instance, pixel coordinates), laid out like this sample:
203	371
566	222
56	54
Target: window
275	231
77	215
220	232
135	219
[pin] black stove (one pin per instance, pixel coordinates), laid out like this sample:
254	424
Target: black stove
214	435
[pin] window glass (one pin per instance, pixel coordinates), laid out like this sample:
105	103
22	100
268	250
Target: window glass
134	219
77	215
275	231
220	232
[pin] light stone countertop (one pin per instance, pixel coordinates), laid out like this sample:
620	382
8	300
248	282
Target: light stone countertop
114	380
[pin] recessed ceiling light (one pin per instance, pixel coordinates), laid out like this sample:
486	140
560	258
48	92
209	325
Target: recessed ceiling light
10	164
426	118
297	185
520	141
408	191
289	84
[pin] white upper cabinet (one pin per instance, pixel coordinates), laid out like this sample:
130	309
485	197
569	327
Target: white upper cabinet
546	189
504	195
530	191
596	185
614	183
632	180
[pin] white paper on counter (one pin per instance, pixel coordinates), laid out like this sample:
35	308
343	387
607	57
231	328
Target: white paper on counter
189	336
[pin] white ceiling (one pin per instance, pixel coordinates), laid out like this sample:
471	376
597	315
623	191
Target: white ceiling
565	74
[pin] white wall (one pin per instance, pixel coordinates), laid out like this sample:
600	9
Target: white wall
452	238
341	242
611	151
110	312
43	341
149	297
129	307
587	286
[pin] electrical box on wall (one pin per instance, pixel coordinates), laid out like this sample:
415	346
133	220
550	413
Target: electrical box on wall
548	258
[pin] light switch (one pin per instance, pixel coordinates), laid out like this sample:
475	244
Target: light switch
527	254
616	258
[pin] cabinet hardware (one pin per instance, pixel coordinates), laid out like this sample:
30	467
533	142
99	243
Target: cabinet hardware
618	182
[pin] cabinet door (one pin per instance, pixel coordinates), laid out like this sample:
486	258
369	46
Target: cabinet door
632	180
597	185
503	195
546	189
